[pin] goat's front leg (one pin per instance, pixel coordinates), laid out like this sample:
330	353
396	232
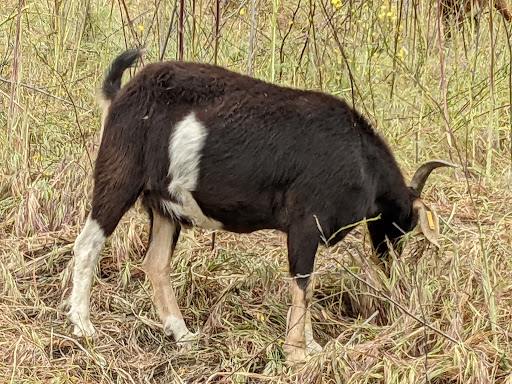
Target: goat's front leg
312	347
302	245
88	246
299	331
164	235
294	347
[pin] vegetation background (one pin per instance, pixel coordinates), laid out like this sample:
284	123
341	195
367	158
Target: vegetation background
433	90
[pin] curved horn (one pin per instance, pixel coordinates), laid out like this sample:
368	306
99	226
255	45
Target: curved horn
421	175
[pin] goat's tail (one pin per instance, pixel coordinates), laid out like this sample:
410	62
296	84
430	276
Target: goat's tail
112	82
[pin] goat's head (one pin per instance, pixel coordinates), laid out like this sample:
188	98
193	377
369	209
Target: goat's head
403	216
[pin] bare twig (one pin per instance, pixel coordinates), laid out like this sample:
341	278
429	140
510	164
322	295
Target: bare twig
443	81
180	30
169	31
15	66
130	24
46	93
251	37
281	50
353	85
217	30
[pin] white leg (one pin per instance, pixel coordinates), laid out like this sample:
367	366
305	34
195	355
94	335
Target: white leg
157	267
312	347
299	341
294	345
87	247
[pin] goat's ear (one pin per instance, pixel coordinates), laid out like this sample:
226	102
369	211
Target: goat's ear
427	220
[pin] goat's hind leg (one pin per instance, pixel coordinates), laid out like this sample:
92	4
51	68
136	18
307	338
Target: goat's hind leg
164	236
88	246
111	199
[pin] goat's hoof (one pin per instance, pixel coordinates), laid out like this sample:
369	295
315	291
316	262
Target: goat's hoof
294	355
84	329
185	342
82	324
313	348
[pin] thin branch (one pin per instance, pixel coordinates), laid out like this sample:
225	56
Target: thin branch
353	85
169	31
217	30
251	37
15	64
180	30
443	81
46	93
130	24
281	50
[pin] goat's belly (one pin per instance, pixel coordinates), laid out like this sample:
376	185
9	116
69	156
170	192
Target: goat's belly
241	211
185	209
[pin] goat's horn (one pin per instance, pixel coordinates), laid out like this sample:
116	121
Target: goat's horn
420	177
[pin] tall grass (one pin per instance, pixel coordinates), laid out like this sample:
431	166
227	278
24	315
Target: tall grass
442	316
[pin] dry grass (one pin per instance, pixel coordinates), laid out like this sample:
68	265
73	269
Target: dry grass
444	316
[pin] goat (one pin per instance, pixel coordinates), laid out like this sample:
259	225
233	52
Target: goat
207	147
459	8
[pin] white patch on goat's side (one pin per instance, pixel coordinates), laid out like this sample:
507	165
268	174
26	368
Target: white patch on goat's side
185	149
187	142
88	246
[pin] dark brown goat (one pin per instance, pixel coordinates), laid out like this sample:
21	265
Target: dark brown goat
210	148
458	9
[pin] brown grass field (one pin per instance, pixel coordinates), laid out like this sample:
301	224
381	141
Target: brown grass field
443	316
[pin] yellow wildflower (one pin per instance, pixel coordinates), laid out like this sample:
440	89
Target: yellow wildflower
336	3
